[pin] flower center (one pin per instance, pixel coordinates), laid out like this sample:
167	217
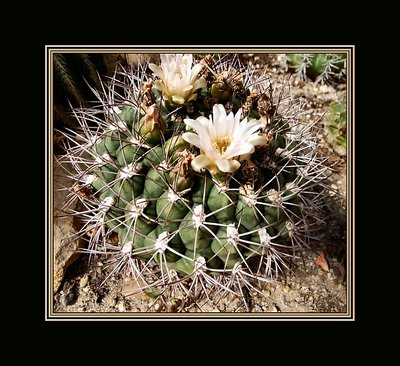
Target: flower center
221	144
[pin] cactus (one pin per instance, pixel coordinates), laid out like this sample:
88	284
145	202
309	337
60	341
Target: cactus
197	177
335	125
319	67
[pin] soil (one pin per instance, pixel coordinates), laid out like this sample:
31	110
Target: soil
303	288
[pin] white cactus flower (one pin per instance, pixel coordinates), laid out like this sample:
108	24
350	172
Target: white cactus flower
178	80
223	140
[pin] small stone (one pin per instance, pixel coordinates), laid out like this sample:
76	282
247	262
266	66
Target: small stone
86	289
100	264
264	308
274	309
68	299
121	307
286	289
84	281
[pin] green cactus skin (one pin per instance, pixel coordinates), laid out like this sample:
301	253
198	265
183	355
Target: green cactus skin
319	67
335	123
188	225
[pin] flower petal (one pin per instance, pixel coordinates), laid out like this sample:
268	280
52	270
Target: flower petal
202	131
178	99
193	139
243	148
200	162
157	71
191	123
204	121
238	115
195	70
179	77
158	84
258	140
218	114
164	58
252	129
199	83
227	166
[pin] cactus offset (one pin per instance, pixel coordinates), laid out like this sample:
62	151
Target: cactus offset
335	123
200	199
319	67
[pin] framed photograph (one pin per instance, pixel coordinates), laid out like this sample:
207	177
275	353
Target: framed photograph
200	183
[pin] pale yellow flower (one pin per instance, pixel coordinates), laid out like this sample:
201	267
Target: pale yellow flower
178	80
223	140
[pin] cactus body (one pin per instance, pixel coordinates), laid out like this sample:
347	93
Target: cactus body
335	124
320	67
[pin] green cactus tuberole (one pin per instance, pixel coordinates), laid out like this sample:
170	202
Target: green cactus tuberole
335	122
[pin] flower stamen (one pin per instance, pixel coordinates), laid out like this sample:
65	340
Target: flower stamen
221	144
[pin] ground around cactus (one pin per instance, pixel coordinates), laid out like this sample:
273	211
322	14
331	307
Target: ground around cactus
315	282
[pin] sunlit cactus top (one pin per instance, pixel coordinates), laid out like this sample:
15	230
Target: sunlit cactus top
178	80
223	140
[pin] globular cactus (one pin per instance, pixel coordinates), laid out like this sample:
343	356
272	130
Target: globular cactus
197	177
335	125
319	67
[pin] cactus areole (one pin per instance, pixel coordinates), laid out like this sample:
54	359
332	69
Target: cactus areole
191	194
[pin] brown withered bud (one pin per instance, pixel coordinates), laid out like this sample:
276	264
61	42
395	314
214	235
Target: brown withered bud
147	94
152	125
207	62
180	176
183	165
261	155
249	171
264	105
248	104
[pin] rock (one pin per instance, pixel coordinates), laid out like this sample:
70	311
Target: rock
64	249
121	307
68	298
286	289
84	281
158	307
